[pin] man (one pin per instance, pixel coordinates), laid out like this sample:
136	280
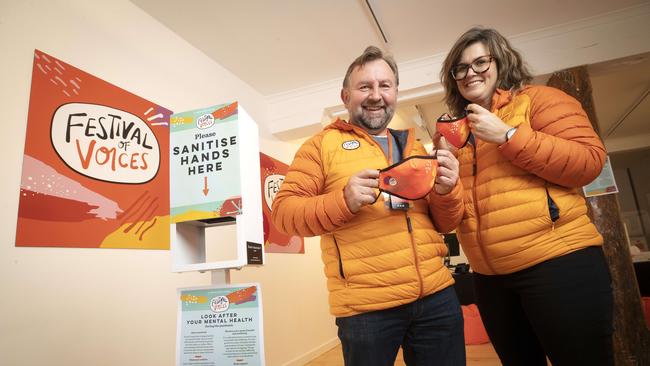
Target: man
383	257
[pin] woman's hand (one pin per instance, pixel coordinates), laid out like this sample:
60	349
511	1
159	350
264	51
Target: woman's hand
486	125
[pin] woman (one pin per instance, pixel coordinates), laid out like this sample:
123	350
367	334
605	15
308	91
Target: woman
542	284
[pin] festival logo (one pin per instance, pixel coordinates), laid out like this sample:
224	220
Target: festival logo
105	143
93	172
219	304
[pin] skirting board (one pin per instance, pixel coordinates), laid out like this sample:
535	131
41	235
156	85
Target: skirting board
310	355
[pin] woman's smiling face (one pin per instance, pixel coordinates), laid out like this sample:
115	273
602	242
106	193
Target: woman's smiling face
478	88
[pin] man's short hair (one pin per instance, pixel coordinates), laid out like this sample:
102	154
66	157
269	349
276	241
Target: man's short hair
371	53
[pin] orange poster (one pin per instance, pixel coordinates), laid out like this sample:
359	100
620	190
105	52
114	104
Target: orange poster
272	173
96	164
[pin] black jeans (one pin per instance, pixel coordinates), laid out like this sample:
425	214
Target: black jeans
430	331
561	308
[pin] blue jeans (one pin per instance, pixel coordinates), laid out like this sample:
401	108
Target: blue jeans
430	331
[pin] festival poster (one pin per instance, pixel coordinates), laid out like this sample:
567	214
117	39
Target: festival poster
95	167
220	326
272	173
205	178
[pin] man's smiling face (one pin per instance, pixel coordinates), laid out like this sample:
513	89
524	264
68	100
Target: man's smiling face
370	96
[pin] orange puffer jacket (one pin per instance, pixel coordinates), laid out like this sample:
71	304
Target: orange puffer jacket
522	204
377	258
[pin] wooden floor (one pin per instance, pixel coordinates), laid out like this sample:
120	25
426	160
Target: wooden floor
477	355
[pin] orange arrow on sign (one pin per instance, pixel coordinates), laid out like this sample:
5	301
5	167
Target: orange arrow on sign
205	186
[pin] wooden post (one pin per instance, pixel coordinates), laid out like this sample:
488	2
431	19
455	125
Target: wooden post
631	336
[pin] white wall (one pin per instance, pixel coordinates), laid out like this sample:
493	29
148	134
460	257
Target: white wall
64	306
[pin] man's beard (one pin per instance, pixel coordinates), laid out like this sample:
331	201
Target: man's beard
374	124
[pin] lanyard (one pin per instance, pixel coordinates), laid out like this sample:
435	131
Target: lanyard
390	147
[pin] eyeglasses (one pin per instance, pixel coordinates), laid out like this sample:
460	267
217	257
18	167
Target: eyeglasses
479	66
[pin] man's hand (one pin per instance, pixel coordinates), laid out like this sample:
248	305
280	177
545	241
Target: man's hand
447	174
486	125
360	189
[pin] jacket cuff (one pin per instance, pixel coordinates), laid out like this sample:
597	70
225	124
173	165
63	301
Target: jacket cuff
337	209
450	196
517	142
447	210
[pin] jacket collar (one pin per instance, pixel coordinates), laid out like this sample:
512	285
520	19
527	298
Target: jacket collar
502	97
343	125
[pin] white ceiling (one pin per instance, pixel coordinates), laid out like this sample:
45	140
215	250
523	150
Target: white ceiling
281	45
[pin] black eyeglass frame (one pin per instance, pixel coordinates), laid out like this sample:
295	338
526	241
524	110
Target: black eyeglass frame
471	65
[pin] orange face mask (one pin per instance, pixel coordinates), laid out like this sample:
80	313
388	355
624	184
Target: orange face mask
411	178
455	130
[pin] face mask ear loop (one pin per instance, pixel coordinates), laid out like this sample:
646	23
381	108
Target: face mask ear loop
376	197
378	190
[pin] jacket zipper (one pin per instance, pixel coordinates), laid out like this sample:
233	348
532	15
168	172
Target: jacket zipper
415	253
338	251
553	210
477	214
409	226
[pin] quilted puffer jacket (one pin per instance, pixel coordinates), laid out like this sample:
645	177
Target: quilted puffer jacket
377	258
522	199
